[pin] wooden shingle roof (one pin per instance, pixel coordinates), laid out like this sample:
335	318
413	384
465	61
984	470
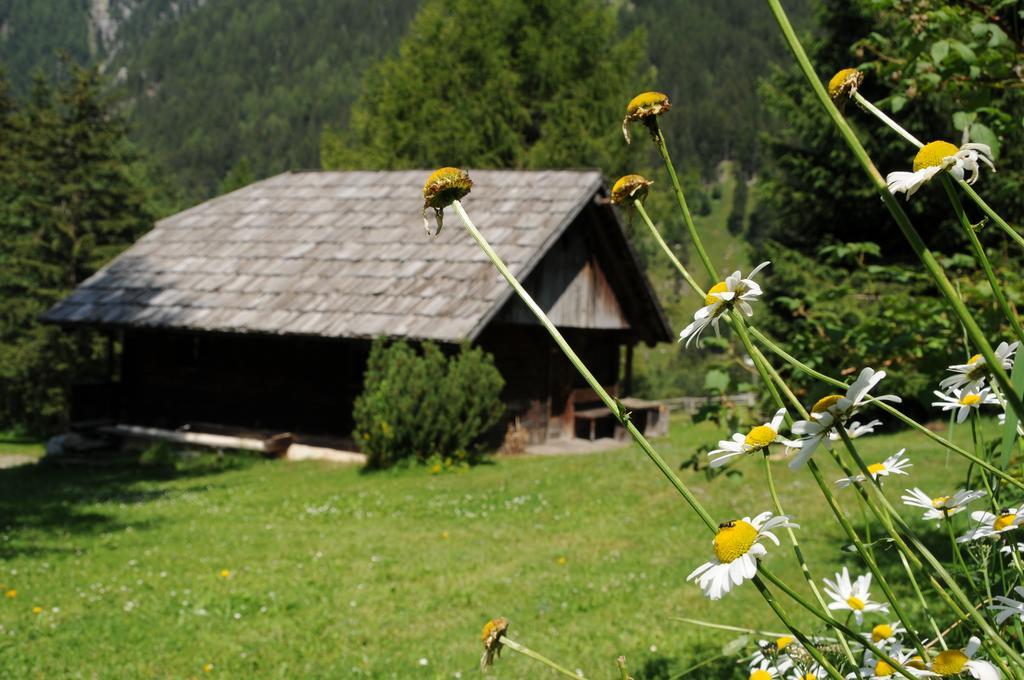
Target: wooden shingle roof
332	254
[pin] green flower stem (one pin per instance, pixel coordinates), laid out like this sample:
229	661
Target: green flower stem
987	209
903	222
957	555
900	130
526	651
907	420
584	371
609	402
731	629
979	252
865	554
659	141
951	586
968	189
668	251
767	376
804	640
800	600
921	599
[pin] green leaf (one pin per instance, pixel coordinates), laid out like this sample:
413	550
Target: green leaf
939	51
964	52
962	119
1010	428
983	134
735	646
716	380
897	102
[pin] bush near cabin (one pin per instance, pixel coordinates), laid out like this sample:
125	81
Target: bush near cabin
423	405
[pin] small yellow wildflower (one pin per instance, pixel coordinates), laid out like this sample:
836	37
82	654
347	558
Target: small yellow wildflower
562	561
11	594
491	636
208	667
444	535
645	107
844	82
37	610
441	188
225	573
630	188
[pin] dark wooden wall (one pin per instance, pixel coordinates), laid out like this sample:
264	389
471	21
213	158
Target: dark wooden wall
262	382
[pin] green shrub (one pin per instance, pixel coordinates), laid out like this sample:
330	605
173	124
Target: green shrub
422	405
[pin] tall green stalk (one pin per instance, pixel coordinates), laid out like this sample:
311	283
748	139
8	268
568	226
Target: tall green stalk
902	221
982	257
659	141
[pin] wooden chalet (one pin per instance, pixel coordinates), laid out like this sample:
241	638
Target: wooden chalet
256	309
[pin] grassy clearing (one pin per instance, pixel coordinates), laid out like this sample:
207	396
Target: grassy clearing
284	570
14	444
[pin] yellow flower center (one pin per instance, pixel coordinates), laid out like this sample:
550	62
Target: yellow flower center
883	670
783	642
875	468
719	287
733	540
760	437
916	662
760	675
949	662
444	186
855	603
492	628
841	79
647	103
882	631
629	188
825	403
939	502
970	399
932	153
1003	521
975	359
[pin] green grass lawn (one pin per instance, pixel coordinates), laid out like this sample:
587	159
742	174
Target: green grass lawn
13	444
305	570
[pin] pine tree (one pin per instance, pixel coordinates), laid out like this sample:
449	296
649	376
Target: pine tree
489	83
75	204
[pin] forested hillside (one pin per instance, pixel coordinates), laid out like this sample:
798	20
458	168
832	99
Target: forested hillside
219	93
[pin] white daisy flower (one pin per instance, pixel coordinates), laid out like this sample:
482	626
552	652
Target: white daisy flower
1008	549
940	506
734	291
935	157
886	633
965	400
758	439
835	409
896	464
814	673
852	595
775	653
971	375
765	670
987	524
955	661
855	429
1008	607
878	669
737	550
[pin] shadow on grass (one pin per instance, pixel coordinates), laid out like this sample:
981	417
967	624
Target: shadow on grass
43	503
